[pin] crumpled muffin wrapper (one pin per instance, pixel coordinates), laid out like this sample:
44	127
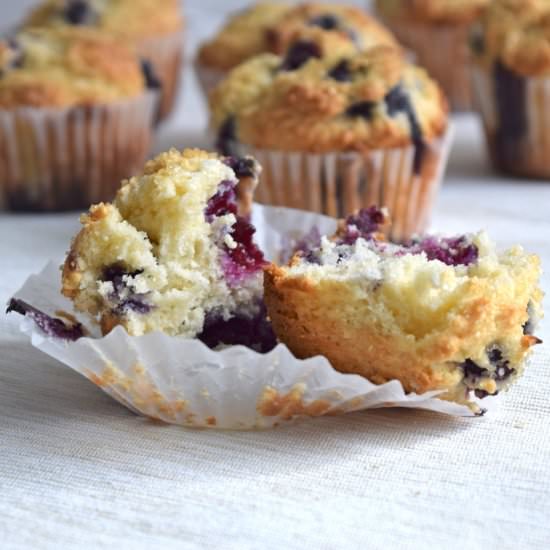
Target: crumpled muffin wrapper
181	381
339	183
68	158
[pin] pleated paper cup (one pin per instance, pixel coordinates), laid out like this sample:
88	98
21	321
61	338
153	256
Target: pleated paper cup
208	77
338	184
63	159
182	381
516	119
166	55
444	51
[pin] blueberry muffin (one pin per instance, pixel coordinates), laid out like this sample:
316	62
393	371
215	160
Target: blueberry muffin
336	131
153	28
446	314
75	118
511	80
276	26
174	253
438	32
315	20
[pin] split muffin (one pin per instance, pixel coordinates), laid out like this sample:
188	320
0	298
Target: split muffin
512	79
276	26
445	314
155	29
336	131
438	31
174	253
75	118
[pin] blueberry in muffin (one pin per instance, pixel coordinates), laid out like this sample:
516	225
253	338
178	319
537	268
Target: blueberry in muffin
337	131
448	314
175	253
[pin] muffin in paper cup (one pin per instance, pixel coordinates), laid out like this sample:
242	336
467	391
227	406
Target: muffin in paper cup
72	124
511	79
277	26
181	381
439	34
337	184
154	29
335	134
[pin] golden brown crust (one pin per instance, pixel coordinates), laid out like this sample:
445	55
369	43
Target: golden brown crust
307	110
242	37
128	19
67	67
517	33
350	24
432	11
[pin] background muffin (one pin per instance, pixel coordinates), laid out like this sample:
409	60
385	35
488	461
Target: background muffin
154	28
75	118
276	26
511	80
335	132
438	32
447	314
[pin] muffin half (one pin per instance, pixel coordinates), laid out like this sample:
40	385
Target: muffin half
174	253
448	314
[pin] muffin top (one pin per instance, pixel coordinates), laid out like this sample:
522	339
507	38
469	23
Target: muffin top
313	20
433	11
131	19
275	26
243	36
340	102
517	33
66	67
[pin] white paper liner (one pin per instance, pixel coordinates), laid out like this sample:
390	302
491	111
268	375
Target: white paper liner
444	51
337	184
528	155
181	381
208	77
166	55
61	159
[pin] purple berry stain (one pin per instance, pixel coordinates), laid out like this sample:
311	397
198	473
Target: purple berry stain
116	274
245	258
51	326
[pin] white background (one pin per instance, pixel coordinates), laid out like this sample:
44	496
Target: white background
79	471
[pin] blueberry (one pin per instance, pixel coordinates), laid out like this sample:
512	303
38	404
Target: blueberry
151	79
254	332
326	21
341	72
116	273
473	370
227	136
363	109
244	167
79	12
299	54
502	366
477	42
362	225
16	58
451	251
50	325
398	101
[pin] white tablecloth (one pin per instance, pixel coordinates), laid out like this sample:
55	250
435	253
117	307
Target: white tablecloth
78	470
